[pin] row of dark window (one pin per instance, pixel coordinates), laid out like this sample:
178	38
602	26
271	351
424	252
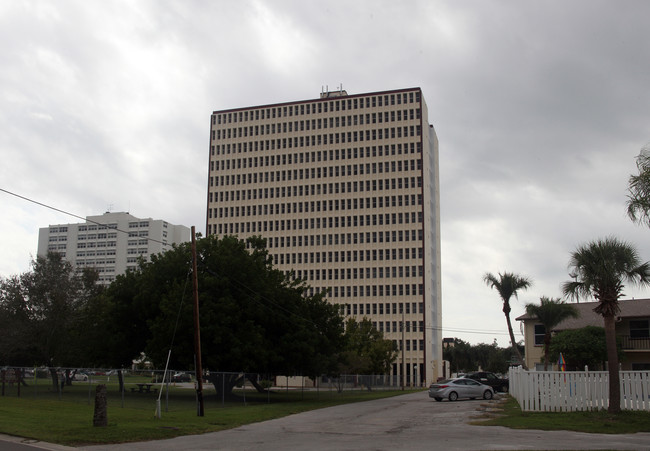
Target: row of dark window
397	344
388	308
316	156
375	291
278	225
319	222
374	272
409	253
344	239
316	107
318	171
323	189
312	206
338	122
324	139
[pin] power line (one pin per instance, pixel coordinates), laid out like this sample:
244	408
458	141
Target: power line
468	331
77	216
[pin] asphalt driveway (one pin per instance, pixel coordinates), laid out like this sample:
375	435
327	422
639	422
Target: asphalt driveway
407	422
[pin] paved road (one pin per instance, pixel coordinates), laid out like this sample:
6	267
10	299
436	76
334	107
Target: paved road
407	422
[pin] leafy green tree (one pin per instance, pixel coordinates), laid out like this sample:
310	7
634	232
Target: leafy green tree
601	268
253	318
508	285
464	357
638	198
366	349
16	347
490	357
580	347
550	312
45	309
460	357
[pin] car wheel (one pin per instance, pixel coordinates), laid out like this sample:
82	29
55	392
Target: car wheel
504	389
453	396
487	394
438	398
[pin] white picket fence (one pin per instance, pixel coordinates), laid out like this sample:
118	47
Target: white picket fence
557	391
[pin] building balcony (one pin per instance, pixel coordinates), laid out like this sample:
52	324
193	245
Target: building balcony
634	343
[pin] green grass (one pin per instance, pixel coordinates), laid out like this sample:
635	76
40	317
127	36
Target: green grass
626	422
43	414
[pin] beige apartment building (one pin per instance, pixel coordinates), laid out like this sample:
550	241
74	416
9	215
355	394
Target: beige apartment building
345	190
110	243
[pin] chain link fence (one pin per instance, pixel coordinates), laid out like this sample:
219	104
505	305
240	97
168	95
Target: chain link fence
177	389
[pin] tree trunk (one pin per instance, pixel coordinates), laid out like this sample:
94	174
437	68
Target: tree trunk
224	383
252	377
612	365
100	417
55	379
512	339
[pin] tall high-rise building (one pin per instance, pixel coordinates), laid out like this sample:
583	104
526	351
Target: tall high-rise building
345	190
111	243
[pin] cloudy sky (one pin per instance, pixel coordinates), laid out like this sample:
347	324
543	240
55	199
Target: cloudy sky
540	109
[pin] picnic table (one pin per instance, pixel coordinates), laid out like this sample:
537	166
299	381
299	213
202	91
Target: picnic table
144	388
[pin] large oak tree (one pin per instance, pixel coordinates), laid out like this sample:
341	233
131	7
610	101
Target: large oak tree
253	317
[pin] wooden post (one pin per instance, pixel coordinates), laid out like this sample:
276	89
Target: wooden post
197	330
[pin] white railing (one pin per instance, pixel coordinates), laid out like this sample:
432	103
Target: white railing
557	391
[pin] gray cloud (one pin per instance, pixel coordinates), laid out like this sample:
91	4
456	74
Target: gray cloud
540	109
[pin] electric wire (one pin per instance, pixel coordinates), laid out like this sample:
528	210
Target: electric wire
77	216
297	315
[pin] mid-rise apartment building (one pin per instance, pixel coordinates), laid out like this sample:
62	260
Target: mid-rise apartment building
111	243
345	190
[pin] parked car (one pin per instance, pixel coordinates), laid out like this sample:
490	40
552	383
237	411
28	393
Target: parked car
181	377
80	377
484	377
459	387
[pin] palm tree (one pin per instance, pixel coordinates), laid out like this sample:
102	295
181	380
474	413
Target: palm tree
507	285
601	267
550	312
638	199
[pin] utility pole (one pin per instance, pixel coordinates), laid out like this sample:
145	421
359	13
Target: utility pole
197	330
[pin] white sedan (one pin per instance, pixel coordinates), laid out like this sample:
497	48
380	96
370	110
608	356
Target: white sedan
454	389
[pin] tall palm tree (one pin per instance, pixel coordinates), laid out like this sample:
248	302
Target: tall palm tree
638	198
507	285
601	267
550	312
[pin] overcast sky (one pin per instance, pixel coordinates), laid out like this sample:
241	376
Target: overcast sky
540	109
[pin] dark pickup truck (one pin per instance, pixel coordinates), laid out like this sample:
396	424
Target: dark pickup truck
491	379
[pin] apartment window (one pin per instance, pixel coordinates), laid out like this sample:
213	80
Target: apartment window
540	331
639	329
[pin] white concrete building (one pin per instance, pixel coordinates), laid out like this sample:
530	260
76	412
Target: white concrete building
110	243
345	190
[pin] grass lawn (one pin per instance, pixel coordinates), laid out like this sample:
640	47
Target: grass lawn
626	422
67	418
